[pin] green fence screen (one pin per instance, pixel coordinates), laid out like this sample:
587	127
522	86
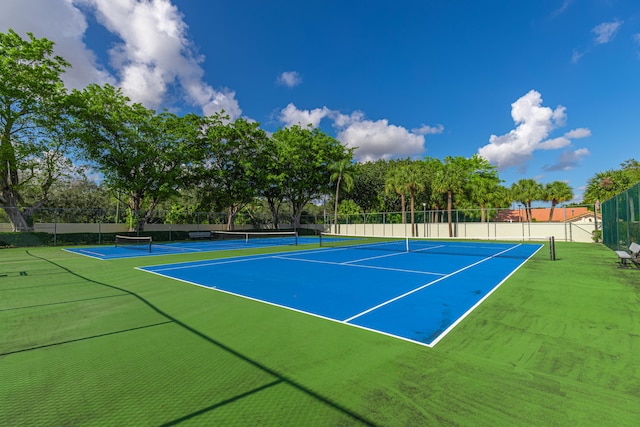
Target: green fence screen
621	219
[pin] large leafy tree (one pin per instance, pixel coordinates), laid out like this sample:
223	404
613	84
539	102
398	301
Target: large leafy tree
305	155
33	123
341	172
230	172
140	153
557	192
368	190
273	174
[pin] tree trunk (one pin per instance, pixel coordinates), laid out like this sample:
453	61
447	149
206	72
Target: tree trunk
297	213
17	219
449	209
274	207
135	202
335	217
233	213
553	206
413	219
9	198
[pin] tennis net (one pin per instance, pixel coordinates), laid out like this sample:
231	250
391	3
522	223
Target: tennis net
270	238
134	242
505	247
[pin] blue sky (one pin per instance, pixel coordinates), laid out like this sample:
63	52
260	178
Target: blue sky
544	89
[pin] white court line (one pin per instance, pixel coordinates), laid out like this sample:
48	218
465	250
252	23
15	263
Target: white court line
373	257
241	258
400	270
466	313
428	249
85	252
388	255
172	248
206	264
426	285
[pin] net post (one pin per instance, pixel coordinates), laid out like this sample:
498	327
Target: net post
552	248
295	237
406	244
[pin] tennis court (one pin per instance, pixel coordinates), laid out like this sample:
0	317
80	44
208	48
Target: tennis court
132	247
416	294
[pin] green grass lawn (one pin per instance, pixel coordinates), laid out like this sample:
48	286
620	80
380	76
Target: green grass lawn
88	342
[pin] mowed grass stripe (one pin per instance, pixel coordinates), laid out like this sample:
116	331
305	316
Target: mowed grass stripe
557	344
53	323
63	293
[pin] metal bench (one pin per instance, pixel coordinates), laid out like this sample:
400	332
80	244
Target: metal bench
199	234
633	256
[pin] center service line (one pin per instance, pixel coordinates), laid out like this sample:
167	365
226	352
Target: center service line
426	285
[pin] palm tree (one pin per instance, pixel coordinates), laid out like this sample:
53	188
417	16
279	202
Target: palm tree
605	185
557	192
412	178
341	171
395	184
526	191
483	184
450	179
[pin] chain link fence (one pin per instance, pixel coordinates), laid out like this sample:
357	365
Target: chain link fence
50	226
570	224
58	226
621	219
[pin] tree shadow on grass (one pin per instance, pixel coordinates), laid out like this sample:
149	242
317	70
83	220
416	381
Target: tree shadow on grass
281	378
22	350
61	302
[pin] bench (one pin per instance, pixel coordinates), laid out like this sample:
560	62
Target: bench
199	234
632	255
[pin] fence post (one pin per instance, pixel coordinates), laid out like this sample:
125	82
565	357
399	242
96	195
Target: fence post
55	227
100	226
571	232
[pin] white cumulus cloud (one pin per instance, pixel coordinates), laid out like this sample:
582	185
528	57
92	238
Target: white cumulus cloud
291	115
289	79
372	139
155	53
534	123
152	55
378	139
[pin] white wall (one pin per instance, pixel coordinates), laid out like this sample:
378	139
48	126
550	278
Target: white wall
561	231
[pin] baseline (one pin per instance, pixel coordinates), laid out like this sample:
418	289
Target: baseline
427	285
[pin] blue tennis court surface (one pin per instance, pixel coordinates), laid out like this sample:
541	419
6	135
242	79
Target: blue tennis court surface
415	296
112	252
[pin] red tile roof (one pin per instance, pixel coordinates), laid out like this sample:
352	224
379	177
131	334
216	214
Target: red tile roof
542	214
